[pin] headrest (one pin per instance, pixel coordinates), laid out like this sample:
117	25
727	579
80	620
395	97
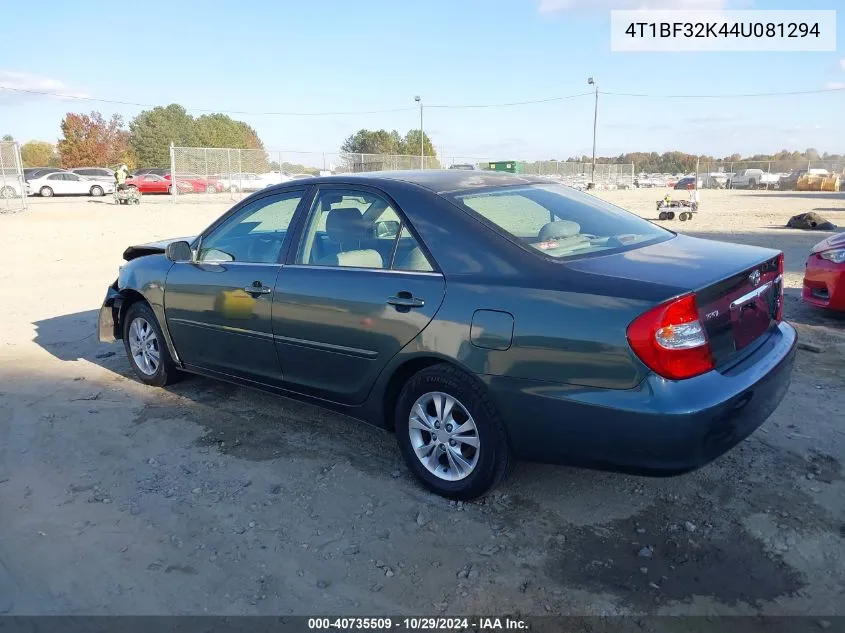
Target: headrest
561	229
346	223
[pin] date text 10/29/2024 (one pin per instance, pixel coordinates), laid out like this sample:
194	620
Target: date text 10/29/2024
417	624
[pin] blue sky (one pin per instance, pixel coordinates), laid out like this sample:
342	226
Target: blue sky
341	55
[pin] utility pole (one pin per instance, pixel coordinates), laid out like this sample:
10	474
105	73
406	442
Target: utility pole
418	99
592	82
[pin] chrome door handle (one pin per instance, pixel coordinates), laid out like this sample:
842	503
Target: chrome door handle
406	302
258	290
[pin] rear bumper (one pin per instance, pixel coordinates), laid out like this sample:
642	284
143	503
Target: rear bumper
661	428
108	318
824	284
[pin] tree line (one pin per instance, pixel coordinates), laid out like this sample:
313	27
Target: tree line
91	140
680	162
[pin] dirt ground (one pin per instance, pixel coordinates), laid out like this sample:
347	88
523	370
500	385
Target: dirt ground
116	498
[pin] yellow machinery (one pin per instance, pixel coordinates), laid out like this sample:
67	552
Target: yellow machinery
810	182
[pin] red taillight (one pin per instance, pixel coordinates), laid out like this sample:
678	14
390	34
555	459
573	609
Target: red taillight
671	341
779	281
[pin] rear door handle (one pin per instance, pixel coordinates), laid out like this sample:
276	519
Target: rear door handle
405	300
258	290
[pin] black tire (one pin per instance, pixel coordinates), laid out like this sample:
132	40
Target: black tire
662	215
682	217
752	184
670	215
45	192
494	455
166	372
97	191
170	190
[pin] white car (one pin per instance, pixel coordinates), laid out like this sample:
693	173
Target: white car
95	173
242	182
11	185
66	183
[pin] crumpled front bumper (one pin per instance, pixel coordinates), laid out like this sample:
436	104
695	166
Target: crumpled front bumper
109	316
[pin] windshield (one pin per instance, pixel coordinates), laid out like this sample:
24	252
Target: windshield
560	222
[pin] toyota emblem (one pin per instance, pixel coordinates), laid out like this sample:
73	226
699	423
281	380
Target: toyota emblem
754	278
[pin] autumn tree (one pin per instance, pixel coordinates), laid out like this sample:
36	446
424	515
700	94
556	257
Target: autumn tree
39	154
91	140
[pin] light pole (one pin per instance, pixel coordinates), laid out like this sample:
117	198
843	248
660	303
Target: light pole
422	142
592	82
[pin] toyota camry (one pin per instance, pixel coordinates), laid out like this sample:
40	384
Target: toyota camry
482	317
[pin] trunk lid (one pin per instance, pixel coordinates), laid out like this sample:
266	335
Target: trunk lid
737	287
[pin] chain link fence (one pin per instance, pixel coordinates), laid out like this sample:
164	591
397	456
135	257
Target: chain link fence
204	174
789	175
13	187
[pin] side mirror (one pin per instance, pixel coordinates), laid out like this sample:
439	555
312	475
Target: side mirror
387	228
179	252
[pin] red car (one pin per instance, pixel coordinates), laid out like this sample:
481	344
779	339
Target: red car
199	184
153	183
824	277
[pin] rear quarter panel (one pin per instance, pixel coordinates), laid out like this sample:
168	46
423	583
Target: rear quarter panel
558	336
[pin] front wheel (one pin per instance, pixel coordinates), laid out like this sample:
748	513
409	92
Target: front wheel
450	434
46	192
97	191
146	347
7	192
210	189
662	215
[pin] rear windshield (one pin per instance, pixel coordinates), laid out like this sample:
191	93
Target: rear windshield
559	221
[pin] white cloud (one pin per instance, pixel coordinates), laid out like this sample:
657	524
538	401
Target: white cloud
835	85
29	84
553	6
842	63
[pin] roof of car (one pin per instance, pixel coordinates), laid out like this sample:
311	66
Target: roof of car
437	180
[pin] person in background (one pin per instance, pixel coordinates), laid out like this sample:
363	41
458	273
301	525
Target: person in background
120	177
693	196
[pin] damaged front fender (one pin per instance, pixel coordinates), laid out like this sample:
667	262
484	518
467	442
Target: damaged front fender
108	320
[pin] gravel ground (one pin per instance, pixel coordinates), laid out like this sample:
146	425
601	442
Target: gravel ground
116	498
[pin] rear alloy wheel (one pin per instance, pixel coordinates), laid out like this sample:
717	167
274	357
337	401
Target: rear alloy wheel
97	191
46	192
210	189
450	434
7	192
146	347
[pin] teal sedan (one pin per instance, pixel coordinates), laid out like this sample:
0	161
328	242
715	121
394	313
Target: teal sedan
482	317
